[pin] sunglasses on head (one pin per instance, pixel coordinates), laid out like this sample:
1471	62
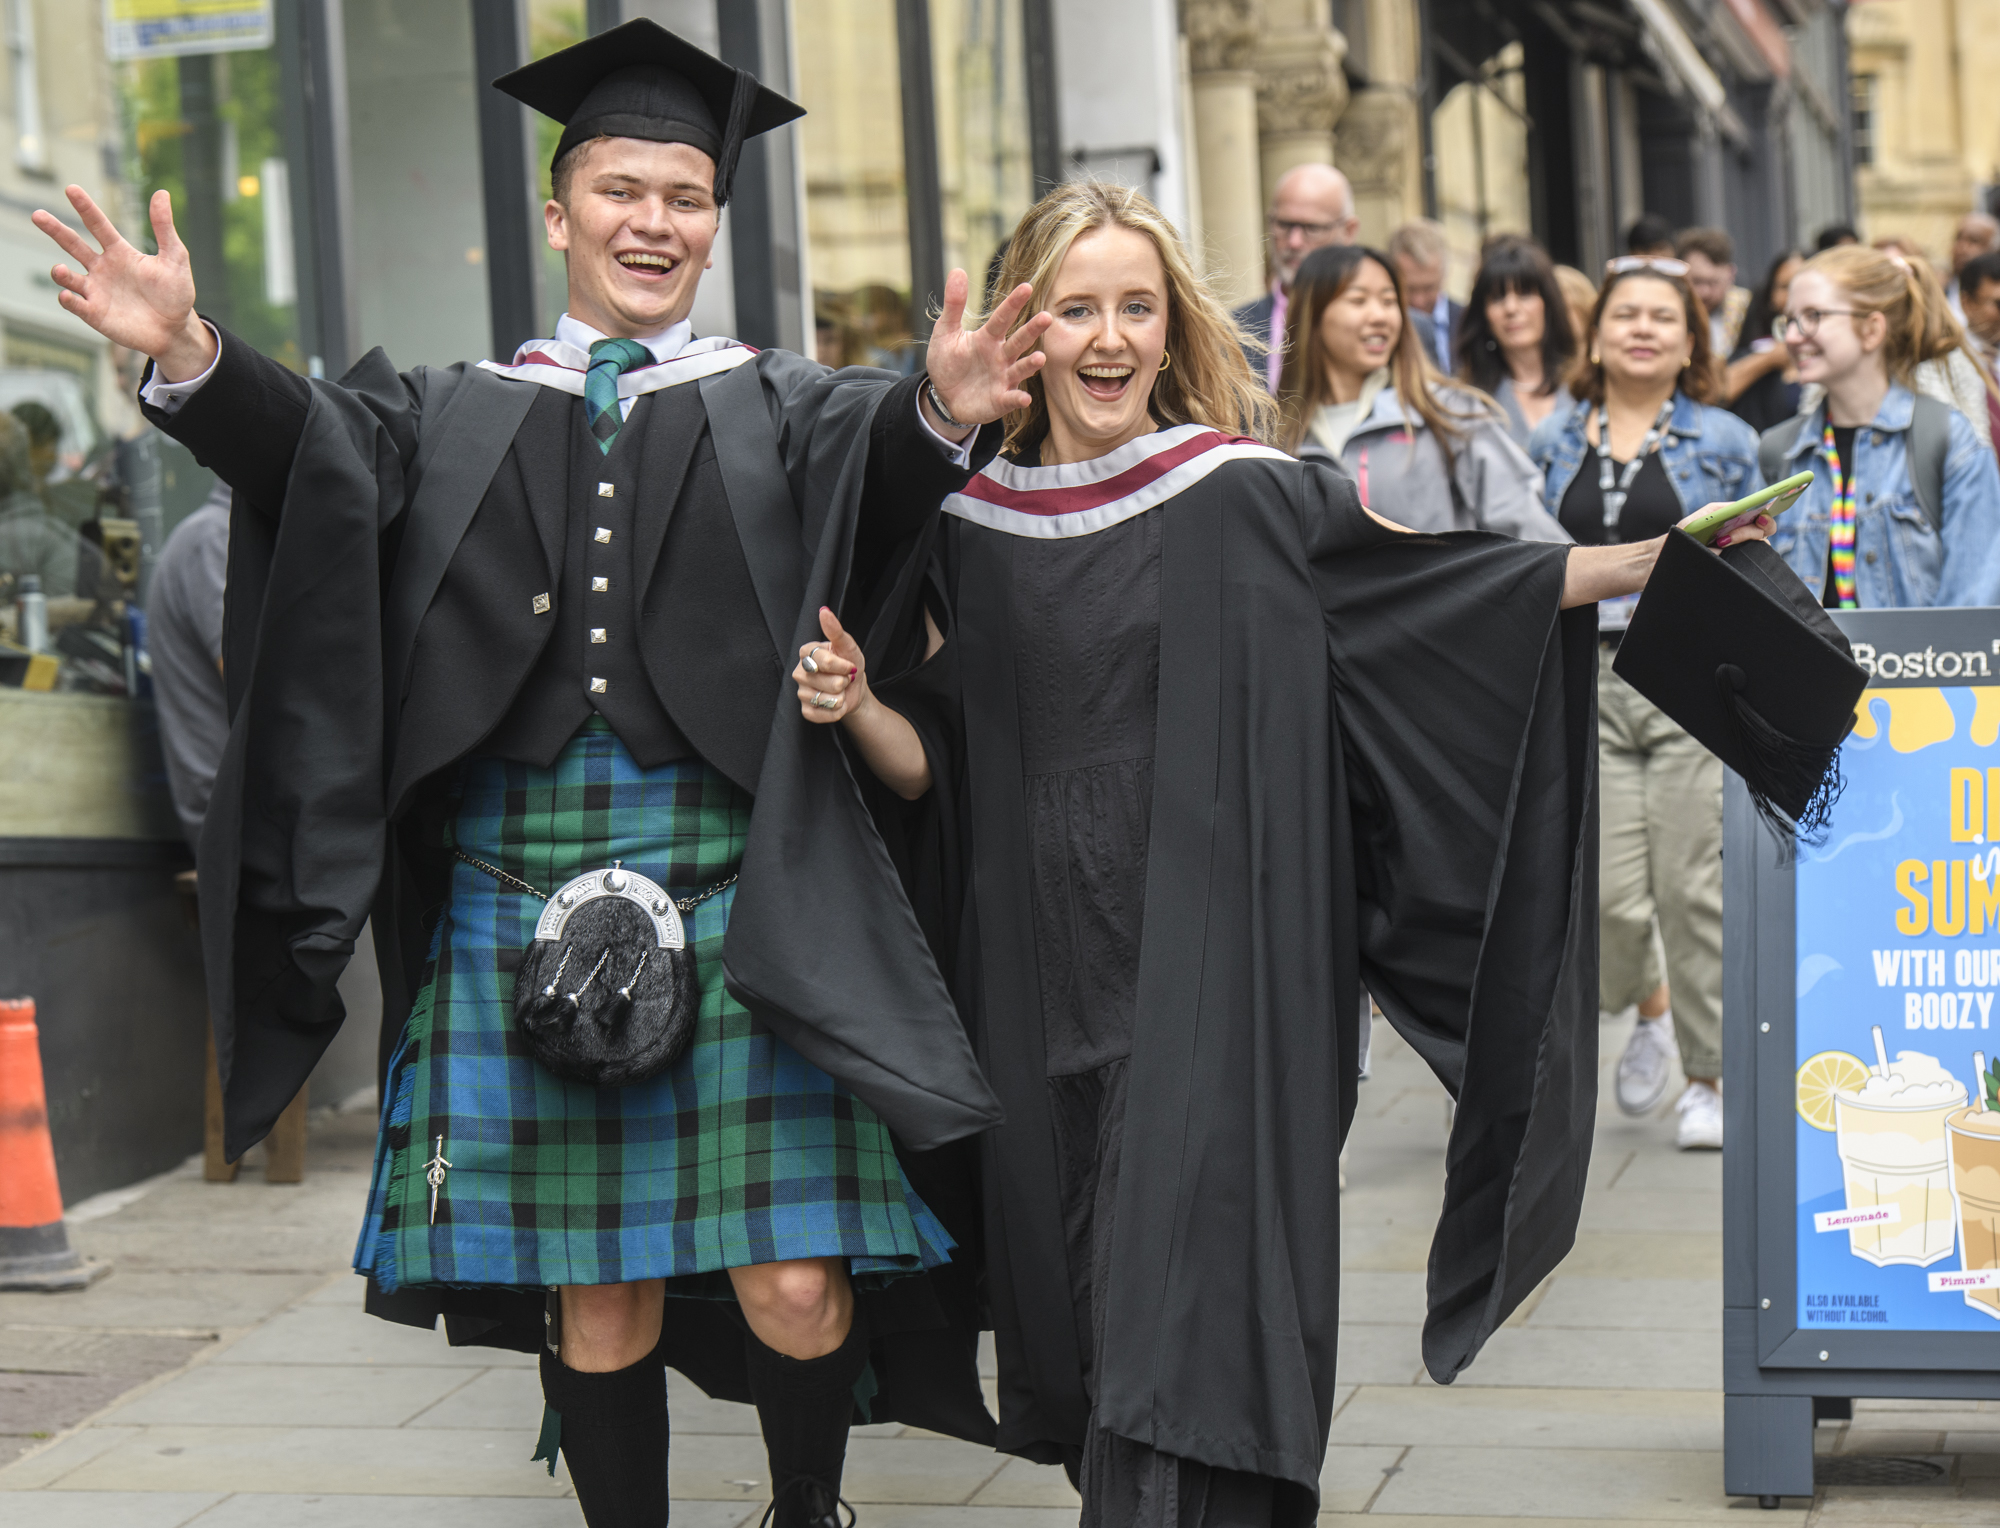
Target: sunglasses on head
1624	265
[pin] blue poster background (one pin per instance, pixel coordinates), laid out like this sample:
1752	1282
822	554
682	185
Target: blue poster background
1897	807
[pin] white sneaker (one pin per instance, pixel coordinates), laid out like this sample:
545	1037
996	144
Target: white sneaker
1646	1065
1700	1110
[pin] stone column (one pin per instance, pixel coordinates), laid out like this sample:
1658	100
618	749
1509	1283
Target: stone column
1379	143
1222	36
1301	90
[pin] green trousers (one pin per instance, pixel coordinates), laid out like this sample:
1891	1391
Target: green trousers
1660	864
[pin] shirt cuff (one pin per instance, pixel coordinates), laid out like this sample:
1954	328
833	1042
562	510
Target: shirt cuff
157	392
959	451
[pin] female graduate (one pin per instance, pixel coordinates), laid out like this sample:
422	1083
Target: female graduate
1213	743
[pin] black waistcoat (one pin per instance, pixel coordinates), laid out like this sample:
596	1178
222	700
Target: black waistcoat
592	661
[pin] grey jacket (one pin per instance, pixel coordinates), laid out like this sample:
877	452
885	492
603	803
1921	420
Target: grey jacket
1396	462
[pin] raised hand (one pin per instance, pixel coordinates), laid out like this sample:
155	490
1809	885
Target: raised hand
143	302
979	372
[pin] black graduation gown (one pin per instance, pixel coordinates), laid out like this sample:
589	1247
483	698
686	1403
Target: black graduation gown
1373	758
387	548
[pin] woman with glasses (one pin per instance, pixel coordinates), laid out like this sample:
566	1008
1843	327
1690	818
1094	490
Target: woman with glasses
1641	447
1865	535
1358	389
1516	342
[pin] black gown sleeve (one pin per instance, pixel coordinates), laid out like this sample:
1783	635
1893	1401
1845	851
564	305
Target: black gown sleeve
245	422
1465	701
909	474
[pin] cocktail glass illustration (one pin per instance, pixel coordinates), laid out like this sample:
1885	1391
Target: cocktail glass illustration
1974	1137
1890	1133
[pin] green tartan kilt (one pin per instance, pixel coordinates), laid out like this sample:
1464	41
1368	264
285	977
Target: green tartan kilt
742	1152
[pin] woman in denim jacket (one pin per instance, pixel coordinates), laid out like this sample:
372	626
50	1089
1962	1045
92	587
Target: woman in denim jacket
1857	322
1649	377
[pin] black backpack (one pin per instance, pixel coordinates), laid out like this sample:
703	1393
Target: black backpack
1930	440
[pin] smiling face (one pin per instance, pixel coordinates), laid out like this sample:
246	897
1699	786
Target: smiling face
636	224
1642	335
1109	299
1840	341
1359	328
1517	319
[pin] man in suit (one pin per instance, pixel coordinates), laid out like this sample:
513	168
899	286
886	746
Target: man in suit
497	633
1312	206
1419	250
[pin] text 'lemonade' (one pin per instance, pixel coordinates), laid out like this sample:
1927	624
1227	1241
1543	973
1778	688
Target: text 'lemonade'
1890	1133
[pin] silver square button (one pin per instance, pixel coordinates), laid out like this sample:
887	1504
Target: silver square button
541	604
603	536
599	686
597	633
605	490
600	586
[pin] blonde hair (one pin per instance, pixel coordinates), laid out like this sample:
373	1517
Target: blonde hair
1905	292
1207	380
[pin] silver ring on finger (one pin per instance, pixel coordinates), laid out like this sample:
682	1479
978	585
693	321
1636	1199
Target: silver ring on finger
810	663
827	702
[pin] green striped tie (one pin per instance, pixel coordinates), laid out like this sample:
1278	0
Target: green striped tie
609	360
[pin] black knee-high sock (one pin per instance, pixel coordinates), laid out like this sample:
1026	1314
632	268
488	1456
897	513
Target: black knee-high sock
805	1406
614	1435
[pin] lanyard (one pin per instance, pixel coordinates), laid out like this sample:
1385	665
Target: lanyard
1614	494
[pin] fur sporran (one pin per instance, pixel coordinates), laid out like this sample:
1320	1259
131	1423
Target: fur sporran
606	994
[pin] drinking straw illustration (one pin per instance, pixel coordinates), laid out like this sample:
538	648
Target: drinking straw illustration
1979	1079
1881	1054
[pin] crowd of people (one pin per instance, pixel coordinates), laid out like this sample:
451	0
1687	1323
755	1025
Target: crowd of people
1554	405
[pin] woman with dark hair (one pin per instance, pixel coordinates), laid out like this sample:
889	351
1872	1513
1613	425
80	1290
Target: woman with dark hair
1761	384
1358	389
1642	446
1515	341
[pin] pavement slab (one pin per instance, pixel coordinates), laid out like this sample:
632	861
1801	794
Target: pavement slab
106	1509
1533	1418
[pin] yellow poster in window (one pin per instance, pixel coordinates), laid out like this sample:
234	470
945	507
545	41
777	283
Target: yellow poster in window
160	28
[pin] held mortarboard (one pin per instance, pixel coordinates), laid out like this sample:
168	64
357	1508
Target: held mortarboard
641	81
1736	649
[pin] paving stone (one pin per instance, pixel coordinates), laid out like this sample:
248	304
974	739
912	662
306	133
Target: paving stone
1676	1171
1448	1480
320	1334
1559	1357
894	1516
1532	1418
1682	1305
273	1395
1688	1212
346	1292
162	1302
1644	1255
260	1510
1379	1355
1023	1483
1352	1475
1884	1440
107	1509
43	1469
1372	1298
352	1461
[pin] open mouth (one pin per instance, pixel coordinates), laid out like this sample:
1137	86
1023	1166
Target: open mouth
1107	383
648	265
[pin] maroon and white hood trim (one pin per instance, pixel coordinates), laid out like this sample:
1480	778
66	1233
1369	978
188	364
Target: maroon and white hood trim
1079	498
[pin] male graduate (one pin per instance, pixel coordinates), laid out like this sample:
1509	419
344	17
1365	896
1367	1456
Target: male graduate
507	633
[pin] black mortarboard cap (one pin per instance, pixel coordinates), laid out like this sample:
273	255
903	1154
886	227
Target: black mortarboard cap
641	81
1736	649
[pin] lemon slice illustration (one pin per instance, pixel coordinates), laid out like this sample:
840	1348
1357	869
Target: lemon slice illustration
1820	1078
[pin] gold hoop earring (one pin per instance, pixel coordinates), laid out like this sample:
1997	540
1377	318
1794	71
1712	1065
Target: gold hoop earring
1594	361
1166	360
1687	363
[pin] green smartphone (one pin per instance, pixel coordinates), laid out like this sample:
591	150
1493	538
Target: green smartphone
1774	501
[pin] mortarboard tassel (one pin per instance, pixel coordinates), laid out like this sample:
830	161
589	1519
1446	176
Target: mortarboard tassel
1783	766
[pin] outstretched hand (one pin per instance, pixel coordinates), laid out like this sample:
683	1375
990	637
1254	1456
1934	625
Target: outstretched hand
143	302
979	372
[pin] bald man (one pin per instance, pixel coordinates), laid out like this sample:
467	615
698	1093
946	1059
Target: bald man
1977	234
1312	206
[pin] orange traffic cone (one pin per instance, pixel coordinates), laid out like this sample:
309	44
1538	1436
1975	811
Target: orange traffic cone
34	1248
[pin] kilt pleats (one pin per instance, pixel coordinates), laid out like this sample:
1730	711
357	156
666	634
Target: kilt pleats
740	1153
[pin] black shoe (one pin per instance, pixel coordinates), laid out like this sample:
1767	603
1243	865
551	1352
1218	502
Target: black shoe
823	1507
